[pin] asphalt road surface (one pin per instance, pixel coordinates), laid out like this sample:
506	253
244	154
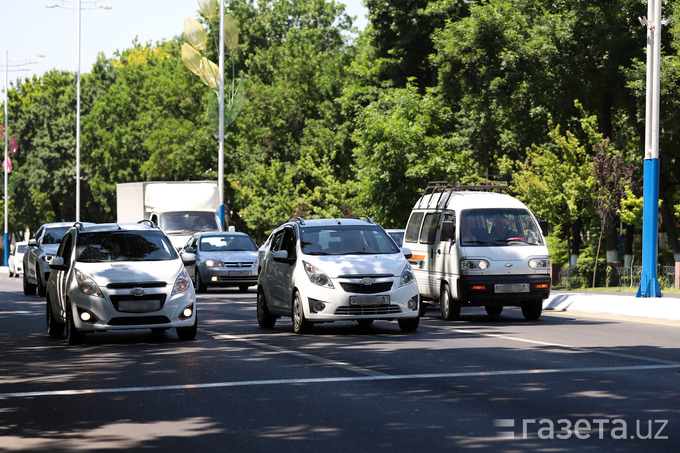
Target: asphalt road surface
567	382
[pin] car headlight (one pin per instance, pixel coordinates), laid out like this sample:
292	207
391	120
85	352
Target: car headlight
182	283
213	263
317	276
539	263
406	276
474	265
87	286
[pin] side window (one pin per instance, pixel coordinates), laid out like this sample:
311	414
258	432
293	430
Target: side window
276	241
289	242
413	227
448	227
430	225
39	233
66	248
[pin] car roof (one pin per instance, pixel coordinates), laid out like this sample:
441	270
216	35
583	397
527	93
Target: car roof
467	200
102	227
61	224
332	222
221	233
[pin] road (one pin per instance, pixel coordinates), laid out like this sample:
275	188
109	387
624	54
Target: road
567	382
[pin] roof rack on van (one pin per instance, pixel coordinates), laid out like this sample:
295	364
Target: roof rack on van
447	187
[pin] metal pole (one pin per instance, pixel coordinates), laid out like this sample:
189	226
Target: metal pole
6	262
78	125
220	155
649	283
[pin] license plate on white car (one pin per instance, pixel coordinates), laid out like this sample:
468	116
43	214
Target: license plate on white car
139	306
502	288
369	300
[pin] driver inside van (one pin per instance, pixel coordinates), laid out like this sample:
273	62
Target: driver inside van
501	229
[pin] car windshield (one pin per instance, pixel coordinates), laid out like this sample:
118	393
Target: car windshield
104	246
178	222
54	235
346	240
227	243
483	227
21	249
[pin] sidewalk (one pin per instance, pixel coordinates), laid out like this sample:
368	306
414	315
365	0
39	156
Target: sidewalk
666	307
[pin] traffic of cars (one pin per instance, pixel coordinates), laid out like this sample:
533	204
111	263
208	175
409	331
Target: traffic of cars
120	276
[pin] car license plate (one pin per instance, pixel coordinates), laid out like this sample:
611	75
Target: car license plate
369	300
139	306
503	288
239	273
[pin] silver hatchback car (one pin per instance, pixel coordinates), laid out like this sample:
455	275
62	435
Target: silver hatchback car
119	277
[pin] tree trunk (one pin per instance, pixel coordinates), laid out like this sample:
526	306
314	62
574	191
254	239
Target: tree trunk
575	242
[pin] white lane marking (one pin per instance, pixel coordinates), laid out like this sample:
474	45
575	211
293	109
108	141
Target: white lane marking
566	346
330	380
304	355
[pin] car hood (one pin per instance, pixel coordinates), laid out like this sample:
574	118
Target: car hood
242	256
358	265
132	271
50	249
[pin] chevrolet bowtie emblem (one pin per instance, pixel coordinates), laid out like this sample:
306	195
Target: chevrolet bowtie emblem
138	292
508	264
367	281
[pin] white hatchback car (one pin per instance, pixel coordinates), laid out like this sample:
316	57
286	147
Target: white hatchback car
327	270
119	277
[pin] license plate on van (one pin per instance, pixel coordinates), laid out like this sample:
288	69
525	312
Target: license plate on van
503	288
369	300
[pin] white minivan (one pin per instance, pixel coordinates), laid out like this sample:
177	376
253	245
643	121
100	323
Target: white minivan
473	246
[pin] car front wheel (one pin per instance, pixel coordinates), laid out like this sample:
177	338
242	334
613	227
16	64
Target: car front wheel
532	310
264	318
73	335
29	288
300	324
188	333
54	327
409	324
448	309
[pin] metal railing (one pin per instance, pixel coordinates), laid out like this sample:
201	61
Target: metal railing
572	277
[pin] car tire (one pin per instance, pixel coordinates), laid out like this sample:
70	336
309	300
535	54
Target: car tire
493	310
243	288
365	322
188	333
42	289
448	309
54	327
264	318
409	324
300	324
200	286
11	272
422	308
532	309
29	288
73	335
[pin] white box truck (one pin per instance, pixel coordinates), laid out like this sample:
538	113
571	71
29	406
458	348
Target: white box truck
179	208
473	246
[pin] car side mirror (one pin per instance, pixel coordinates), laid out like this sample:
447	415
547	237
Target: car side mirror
32	243
281	256
407	252
545	227
58	263
189	250
189	259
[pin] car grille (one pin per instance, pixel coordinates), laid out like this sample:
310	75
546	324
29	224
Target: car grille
146	300
126	285
369	310
237	264
360	288
139	320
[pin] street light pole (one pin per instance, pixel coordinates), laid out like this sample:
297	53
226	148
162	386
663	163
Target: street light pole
220	154
78	97
17	66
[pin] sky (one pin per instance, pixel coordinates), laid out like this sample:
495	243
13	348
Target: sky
28	28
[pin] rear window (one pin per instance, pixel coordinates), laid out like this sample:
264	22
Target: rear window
227	243
104	246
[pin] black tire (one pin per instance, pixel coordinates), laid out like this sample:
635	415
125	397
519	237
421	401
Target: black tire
365	322
11	274
493	310
29	288
300	324
73	335
54	327
422	308
200	286
243	288
188	333
532	310
264	318
448	309
42	289
409	324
